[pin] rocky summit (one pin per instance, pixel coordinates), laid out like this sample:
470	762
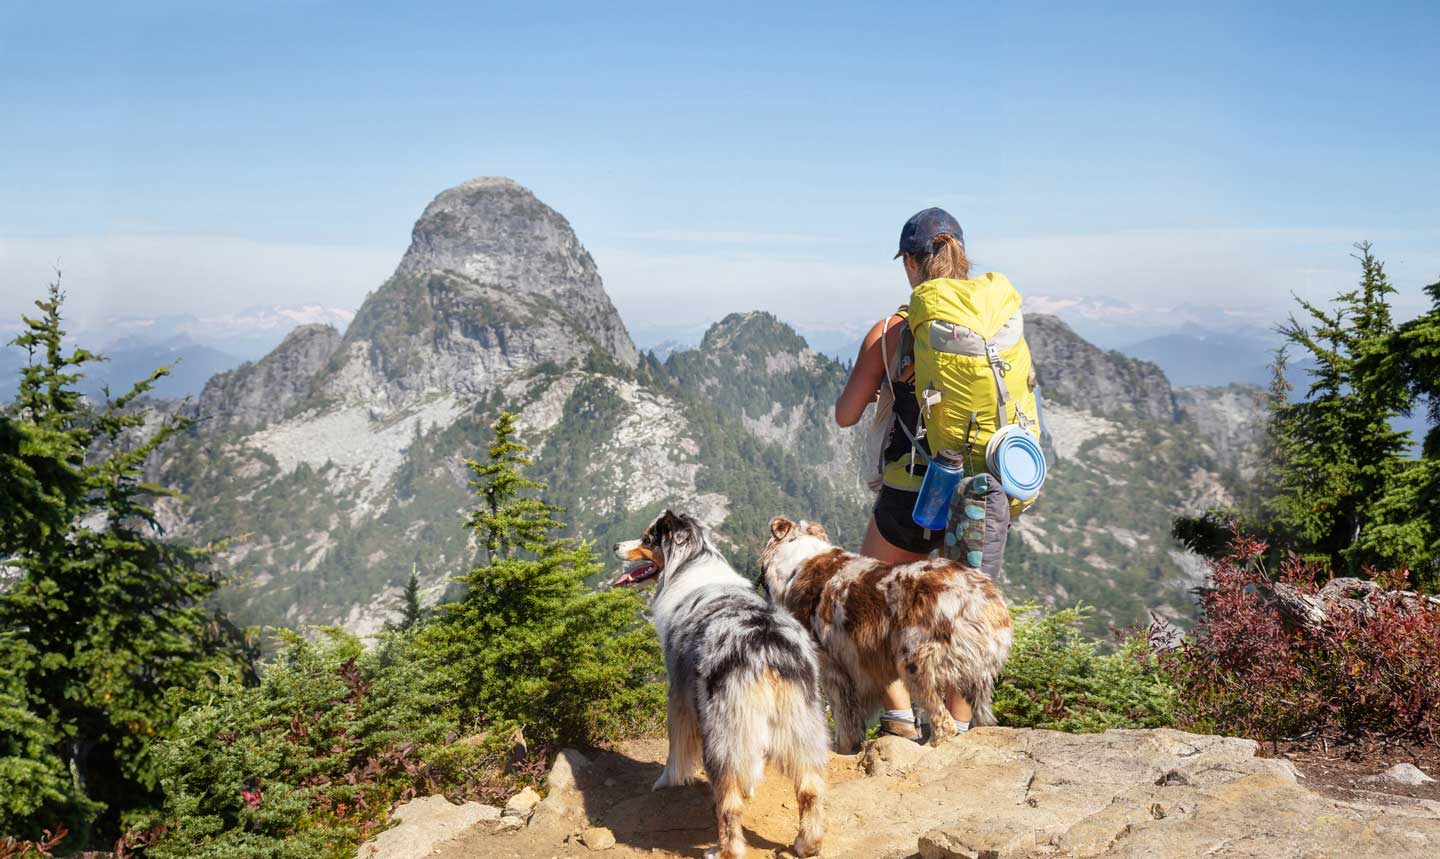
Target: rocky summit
341	457
995	793
494	232
495	282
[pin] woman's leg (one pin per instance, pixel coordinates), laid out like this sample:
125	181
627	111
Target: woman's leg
876	546
959	707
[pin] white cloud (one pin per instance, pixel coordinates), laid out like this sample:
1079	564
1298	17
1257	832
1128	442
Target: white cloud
150	274
129	274
1253	271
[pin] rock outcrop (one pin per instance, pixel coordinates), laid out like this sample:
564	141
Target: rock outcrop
267	390
1230	419
1077	373
999	793
494	282
424	824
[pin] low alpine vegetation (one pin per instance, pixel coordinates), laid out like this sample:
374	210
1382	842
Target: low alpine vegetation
309	762
1245	670
1056	678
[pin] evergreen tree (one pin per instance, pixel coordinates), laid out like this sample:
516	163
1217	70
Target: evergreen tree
1409	513
102	617
1417	352
412	612
1337	453
527	645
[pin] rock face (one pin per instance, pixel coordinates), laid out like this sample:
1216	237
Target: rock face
423	825
1003	793
495	283
1231	419
270	388
495	232
1075	372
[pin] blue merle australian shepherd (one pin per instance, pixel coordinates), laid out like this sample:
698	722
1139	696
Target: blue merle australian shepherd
743	680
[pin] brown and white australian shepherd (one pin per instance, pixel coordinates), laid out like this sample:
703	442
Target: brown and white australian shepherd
936	623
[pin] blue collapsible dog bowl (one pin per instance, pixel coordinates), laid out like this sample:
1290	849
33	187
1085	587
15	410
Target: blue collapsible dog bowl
1014	456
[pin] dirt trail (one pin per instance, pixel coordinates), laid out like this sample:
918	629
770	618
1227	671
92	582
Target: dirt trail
615	792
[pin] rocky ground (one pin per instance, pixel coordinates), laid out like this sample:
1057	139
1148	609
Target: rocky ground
998	793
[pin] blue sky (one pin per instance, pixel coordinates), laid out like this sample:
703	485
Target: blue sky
204	157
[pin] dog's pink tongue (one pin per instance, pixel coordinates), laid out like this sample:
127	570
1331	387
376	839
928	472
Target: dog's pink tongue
633	575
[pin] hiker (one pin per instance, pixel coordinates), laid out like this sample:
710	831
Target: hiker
951	374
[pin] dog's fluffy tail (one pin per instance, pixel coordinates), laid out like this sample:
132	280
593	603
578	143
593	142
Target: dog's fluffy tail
767	716
979	686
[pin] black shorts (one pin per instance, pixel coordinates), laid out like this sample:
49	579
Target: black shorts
892	518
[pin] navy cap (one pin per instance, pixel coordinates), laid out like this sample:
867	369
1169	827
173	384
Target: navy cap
918	234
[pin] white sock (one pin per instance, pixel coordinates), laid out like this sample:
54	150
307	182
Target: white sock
962	727
900	716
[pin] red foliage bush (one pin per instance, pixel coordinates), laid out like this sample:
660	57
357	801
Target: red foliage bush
13	848
1244	671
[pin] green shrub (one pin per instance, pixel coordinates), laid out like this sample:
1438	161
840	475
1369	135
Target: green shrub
1058	679
308	763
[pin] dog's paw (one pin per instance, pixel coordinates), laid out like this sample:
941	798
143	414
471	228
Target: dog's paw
805	848
668	778
939	733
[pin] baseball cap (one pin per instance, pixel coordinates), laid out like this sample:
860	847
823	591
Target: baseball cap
918	234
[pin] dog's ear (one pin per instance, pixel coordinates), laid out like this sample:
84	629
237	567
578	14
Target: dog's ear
815	529
780	527
673	525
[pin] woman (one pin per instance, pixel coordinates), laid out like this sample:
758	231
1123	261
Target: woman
932	248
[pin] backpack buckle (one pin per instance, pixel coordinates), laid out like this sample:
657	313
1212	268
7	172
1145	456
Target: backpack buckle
992	354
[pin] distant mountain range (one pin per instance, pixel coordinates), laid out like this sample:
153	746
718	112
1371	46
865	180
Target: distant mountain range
197	348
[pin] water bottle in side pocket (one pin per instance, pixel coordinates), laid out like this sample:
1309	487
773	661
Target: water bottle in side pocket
942	478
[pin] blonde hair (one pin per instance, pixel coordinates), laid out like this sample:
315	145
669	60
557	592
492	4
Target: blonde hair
946	260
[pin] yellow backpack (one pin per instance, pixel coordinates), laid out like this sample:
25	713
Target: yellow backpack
972	372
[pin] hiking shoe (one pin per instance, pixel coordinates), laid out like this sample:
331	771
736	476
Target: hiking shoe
902	729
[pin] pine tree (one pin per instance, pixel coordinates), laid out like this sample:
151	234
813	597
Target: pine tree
1337	449
1409	513
1417	352
105	617
527	645
411	610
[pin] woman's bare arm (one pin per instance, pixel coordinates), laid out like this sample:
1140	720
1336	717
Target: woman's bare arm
869	372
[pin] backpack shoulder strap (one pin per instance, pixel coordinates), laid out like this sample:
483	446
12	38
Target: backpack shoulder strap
895	363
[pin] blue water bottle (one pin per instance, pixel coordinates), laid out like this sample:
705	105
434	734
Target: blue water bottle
942	478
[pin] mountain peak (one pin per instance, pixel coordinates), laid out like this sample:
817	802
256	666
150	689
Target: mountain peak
495	231
494	283
739	332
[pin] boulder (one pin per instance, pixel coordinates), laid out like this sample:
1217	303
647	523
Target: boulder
889	753
522	803
563	798
598	838
1406	774
423	825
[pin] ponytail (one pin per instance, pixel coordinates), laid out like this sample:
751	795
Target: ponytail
947	259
